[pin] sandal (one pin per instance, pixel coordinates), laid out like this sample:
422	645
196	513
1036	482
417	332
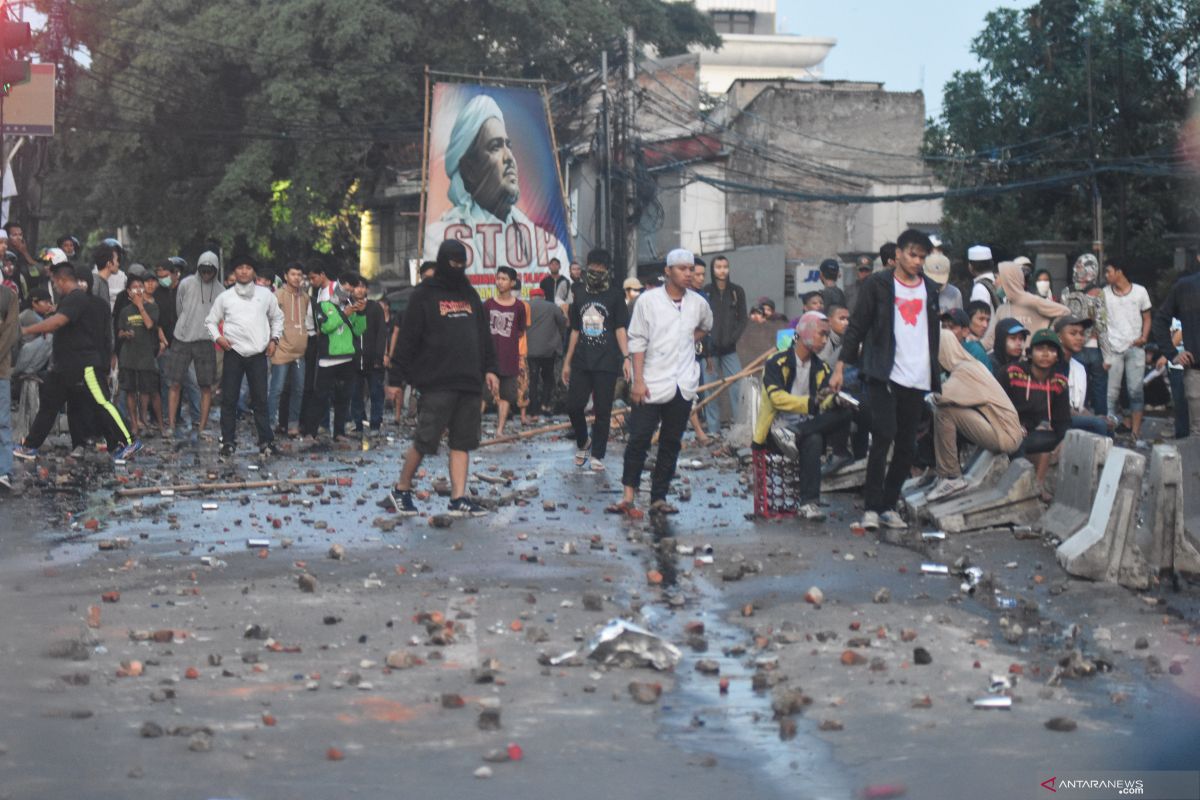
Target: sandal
628	509
663	507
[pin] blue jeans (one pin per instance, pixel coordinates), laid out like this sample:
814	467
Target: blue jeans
725	365
279	378
372	379
1097	377
6	440
1096	425
1130	365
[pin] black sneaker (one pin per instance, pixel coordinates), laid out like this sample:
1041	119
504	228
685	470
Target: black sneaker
465	507
402	503
226	450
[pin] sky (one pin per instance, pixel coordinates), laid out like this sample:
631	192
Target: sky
907	44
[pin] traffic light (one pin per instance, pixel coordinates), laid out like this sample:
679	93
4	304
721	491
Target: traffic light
15	39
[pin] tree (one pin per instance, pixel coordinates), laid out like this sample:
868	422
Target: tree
1023	119
259	123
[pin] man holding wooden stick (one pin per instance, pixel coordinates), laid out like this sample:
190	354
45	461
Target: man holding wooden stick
667	322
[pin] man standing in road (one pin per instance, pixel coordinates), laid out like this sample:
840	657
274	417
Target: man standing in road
445	351
896	326
546	326
667	322
1183	303
193	344
595	357
728	303
245	321
287	363
1128	312
81	331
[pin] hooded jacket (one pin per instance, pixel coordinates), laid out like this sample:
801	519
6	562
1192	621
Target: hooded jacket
1039	401
871	328
445	338
970	385
778	374
1031	310
297	325
1000	357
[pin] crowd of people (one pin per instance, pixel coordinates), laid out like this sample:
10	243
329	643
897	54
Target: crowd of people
900	366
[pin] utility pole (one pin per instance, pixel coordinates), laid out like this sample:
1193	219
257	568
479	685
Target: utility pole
1097	205
631	159
605	211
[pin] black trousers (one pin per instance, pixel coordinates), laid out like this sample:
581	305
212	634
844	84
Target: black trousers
332	385
600	386
895	415
86	398
254	369
643	420
541	383
1039	442
811	436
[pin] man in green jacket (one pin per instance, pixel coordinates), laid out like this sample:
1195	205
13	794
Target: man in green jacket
340	324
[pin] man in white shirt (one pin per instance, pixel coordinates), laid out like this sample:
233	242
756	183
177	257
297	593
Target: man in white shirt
1073	333
1127	306
666	324
983	280
896	325
246	323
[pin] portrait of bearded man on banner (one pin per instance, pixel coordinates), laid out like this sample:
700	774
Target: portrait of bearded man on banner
484	190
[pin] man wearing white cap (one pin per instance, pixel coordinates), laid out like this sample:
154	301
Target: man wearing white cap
983	272
666	324
937	269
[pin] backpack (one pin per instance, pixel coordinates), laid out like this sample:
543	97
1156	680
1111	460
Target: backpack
997	295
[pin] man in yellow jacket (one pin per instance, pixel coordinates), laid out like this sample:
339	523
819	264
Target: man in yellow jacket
796	384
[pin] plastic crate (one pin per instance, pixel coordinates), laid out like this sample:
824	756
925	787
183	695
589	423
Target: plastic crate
775	480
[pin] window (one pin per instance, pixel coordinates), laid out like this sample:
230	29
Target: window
733	21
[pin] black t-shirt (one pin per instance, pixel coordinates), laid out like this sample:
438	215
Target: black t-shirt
597	318
82	342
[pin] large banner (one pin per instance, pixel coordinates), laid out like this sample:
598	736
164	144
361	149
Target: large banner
493	183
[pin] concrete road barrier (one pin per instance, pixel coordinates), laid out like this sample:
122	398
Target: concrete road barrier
1012	500
1170	548
1079	465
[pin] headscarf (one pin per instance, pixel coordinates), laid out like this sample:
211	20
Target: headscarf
1086	272
808	327
466	127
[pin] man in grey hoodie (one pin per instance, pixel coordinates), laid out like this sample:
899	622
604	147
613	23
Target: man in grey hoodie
192	343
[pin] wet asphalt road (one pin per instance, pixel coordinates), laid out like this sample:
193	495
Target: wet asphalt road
264	713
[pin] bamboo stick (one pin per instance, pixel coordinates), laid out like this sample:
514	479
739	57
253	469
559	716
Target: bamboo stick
142	491
720	385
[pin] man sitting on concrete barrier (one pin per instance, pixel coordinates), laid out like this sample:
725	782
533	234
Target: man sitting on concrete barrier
974	405
1073	334
796	387
1041	397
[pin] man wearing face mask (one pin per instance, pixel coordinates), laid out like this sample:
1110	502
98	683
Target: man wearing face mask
596	356
246	322
1085	298
445	351
484	190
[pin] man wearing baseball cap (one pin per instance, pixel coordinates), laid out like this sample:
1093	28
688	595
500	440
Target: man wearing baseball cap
937	268
831	294
663	331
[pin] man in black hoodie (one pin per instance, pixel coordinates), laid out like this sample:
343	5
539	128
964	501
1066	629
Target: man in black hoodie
896	324
445	351
370	381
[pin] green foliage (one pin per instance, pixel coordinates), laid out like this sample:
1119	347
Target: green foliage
1024	117
262	121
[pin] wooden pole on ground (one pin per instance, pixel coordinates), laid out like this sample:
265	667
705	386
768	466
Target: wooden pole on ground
184	488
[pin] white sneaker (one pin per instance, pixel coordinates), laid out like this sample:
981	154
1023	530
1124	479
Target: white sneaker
893	520
811	512
945	487
596	465
870	521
